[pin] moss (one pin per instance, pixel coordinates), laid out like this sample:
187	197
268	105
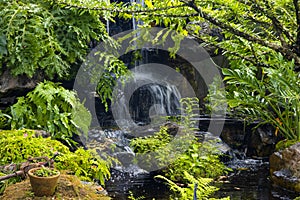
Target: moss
69	187
285	144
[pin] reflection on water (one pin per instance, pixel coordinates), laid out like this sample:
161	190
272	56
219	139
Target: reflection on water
248	181
120	186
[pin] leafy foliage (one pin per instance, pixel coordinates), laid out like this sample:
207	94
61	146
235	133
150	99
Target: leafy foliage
204	189
45	172
273	98
43	37
86	164
252	31
151	143
4	120
52	108
113	70
254	35
198	159
19	145
283	144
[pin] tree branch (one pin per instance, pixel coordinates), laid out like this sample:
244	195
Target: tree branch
117	10
297	10
277	25
284	50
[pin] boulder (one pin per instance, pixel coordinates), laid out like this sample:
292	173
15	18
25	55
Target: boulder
285	167
261	142
12	87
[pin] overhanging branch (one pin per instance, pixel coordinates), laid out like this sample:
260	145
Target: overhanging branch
225	26
297	10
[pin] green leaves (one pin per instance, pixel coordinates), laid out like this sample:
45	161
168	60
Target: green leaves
3	50
45	172
273	99
18	145
85	164
41	36
204	187
199	159
54	109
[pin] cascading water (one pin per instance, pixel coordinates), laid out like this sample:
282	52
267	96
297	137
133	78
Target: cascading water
153	100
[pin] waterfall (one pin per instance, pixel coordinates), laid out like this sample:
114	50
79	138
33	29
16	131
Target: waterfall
153	100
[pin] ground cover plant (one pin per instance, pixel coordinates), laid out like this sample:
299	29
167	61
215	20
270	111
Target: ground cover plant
19	145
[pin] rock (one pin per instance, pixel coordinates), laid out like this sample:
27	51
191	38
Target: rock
261	142
276	162
285	167
292	157
12	87
172	128
125	158
286	179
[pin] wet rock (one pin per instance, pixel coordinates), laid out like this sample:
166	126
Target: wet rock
261	142
286	179
172	128
285	167
12	87
125	158
240	135
276	162
234	138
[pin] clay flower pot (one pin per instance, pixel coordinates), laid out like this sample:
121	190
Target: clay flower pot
43	186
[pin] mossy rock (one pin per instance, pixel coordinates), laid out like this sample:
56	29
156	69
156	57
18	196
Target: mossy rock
69	187
285	144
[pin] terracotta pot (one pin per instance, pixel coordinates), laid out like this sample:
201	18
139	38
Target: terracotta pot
43	186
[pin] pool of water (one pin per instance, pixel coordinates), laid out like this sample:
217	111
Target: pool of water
120	186
248	181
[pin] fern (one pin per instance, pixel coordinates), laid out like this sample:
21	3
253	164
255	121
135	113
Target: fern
54	109
43	37
272	99
204	189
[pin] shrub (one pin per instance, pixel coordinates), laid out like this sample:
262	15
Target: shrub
271	99
198	159
86	164
54	109
18	145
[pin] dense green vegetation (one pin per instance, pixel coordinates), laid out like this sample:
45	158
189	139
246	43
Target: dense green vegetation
18	146
260	39
54	109
50	39
198	164
204	189
41	37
